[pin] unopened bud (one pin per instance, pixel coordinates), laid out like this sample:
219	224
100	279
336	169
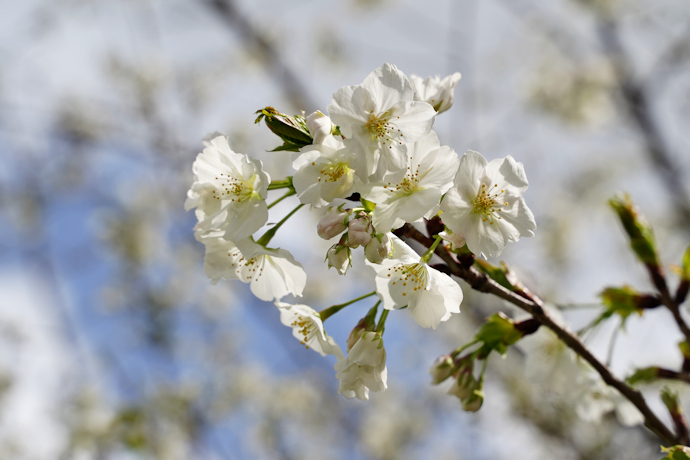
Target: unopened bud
320	126
474	402
441	369
359	231
465	382
378	248
640	233
498	333
333	223
339	258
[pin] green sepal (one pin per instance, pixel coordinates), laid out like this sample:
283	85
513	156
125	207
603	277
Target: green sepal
367	205
640	233
292	130
644	375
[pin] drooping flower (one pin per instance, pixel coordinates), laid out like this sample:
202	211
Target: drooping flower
272	273
430	172
308	329
436	91
229	191
377	117
485	204
378	248
339	257
364	368
406	280
323	174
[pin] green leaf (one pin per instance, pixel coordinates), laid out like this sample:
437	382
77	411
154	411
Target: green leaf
644	375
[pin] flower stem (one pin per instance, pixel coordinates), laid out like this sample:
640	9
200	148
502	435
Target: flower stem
463	348
430	252
330	311
481	375
278	184
381	326
264	240
287	194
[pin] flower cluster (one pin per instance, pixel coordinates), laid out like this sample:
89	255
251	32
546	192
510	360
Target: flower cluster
370	166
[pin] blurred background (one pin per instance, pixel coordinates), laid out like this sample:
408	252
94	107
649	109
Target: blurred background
113	343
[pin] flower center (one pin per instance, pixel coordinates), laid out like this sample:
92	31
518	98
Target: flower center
381	129
305	327
409	275
409	184
486	203
334	171
233	189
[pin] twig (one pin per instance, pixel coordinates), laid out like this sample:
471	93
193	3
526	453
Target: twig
483	283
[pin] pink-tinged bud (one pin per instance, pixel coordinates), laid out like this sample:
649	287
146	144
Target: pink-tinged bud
359	231
333	223
378	248
442	368
339	258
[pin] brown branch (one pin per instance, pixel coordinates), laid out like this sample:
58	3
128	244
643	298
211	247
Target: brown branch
483	283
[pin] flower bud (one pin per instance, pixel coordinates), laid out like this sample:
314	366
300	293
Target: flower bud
442	368
474	402
339	258
464	380
359	231
378	248
333	223
640	233
320	126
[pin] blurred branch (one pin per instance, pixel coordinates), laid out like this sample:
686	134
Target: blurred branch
639	109
533	306
296	93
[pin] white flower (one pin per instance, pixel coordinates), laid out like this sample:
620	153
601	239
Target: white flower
437	92
364	368
308	329
229	191
323	174
430	296
430	173
485	204
377	117
272	273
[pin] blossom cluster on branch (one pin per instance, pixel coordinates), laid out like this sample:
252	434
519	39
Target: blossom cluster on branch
378	175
